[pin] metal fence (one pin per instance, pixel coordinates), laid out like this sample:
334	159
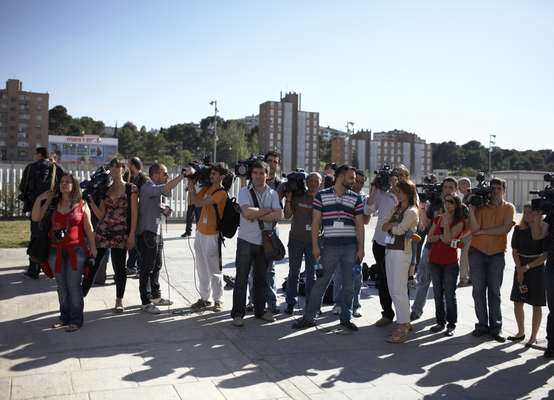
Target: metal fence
10	176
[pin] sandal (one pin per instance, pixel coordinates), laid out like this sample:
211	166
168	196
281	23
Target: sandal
399	335
118	309
58	325
516	338
531	343
72	328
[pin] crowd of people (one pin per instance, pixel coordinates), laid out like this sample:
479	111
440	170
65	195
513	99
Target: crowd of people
449	243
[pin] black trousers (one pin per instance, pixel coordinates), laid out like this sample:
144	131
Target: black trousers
549	280
193	214
118	263
150	247
34	268
382	285
249	254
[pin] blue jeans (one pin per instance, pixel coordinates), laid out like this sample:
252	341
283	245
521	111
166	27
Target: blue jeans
444	288
334	258
549	281
423	282
70	291
486	274
271	293
357	286
298	250
248	255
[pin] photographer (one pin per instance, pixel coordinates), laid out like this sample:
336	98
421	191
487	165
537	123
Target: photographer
428	212
464	189
490	225
357	270
38	177
250	250
116	229
137	178
152	211
299	207
340	212
382	201
207	244
549	283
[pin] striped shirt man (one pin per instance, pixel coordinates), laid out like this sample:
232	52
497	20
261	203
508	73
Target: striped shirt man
338	215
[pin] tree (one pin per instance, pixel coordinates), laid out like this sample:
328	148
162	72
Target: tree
58	120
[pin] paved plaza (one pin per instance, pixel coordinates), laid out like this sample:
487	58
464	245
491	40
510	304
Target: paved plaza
202	356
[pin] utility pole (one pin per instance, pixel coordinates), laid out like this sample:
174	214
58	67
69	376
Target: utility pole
214	103
492	142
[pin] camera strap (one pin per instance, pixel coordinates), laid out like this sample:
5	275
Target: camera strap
257	205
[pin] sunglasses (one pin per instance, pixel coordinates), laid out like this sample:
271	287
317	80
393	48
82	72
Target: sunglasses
451	201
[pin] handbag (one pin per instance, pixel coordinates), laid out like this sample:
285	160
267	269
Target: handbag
396	242
39	246
273	247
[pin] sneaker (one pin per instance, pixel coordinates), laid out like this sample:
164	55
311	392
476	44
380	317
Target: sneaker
249	307
151	309
218	305
267	316
463	283
301	323
549	353
289	309
478	332
356	313
238	322
130	271
200	304
499	338
161	302
30	275
437	328
275	310
450	330
413	316
349	325
336	310
186	234
383	322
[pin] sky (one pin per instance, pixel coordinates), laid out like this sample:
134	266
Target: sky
445	70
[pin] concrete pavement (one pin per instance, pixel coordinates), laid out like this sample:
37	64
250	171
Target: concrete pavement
201	356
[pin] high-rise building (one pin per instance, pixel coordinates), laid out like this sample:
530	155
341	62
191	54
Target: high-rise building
23	122
283	127
395	147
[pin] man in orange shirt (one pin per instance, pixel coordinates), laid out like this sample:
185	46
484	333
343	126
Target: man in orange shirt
206	244
490	226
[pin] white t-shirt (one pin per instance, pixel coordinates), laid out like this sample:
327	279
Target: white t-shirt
249	230
383	206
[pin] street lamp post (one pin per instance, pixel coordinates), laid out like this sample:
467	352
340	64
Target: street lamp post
214	103
492	142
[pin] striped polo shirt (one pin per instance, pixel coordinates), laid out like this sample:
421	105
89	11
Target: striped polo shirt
337	215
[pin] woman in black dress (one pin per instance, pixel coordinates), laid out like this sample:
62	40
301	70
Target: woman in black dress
529	245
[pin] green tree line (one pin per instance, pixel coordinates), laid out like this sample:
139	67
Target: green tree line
472	157
176	145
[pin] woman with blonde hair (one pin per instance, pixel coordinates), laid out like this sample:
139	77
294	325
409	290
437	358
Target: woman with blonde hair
529	249
398	255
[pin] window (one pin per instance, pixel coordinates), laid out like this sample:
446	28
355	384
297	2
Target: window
22	144
39	117
21	153
39	99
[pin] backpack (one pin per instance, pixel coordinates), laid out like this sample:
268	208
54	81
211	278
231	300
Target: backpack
228	223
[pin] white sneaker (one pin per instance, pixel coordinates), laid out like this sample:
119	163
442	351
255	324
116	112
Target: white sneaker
336	310
238	322
161	302
267	316
151	309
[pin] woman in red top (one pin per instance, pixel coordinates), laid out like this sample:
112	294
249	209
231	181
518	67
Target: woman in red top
70	224
443	262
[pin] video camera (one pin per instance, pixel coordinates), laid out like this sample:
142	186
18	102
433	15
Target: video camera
296	182
481	195
98	184
243	168
329	180
382	176
430	191
199	172
545	202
